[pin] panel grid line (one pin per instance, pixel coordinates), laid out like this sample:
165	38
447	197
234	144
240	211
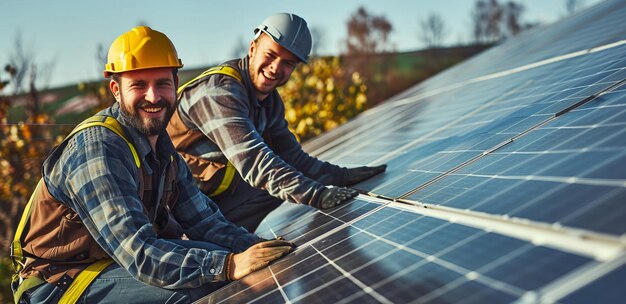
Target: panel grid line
577	279
597	245
354	280
280	288
432	258
508	141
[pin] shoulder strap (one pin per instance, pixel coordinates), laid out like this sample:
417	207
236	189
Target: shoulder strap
223	69
82	281
111	124
17	255
229	174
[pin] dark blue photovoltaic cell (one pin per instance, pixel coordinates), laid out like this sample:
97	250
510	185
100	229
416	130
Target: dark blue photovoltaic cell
489	247
272	297
531	132
424	280
535	267
442	142
306	223
290	215
311	261
428	265
532	176
607	289
342	289
310	281
244	290
471	292
442	239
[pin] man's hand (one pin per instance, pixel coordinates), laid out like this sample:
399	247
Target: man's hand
332	197
256	257
357	175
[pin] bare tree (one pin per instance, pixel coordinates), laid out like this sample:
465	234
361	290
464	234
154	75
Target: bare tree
21	59
366	49
433	31
241	48
96	93
368	34
512	14
5	103
11	70
101	58
29	71
572	6
319	40
493	21
486	18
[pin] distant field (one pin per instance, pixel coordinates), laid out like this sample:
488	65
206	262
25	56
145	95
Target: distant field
69	105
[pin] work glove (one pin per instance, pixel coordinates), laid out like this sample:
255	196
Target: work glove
354	176
332	197
257	256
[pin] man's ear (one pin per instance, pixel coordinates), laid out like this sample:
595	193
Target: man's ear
115	89
252	48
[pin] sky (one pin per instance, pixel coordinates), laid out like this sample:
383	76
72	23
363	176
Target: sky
66	34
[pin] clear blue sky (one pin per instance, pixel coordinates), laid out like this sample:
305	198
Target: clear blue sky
207	32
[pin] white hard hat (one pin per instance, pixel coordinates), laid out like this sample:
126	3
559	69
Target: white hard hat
290	31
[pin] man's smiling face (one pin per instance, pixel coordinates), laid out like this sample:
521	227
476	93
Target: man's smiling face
270	65
147	98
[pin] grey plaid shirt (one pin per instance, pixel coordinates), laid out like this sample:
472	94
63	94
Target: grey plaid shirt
238	127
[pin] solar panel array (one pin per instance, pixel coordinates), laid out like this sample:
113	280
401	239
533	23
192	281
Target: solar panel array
506	182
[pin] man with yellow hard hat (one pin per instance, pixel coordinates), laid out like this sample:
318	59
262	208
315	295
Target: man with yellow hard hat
116	217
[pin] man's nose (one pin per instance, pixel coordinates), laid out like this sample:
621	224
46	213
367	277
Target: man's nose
274	65
152	94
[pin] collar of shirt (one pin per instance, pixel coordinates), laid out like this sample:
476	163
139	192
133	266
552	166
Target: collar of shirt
164	146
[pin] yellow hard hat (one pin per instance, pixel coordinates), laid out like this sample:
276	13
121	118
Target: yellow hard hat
141	48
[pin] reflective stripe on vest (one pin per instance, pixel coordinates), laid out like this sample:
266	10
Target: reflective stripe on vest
27	284
81	282
111	124
224	69
17	256
229	172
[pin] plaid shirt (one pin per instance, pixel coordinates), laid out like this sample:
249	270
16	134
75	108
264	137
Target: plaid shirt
253	135
95	175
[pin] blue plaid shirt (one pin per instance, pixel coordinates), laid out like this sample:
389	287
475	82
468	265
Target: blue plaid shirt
95	175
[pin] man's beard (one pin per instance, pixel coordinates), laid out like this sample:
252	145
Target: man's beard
151	126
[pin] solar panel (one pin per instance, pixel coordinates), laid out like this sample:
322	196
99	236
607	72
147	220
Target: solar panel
506	182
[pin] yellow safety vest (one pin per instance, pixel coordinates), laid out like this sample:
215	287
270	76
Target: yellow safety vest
85	277
230	170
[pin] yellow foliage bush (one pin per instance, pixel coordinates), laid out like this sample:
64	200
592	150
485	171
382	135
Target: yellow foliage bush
320	96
